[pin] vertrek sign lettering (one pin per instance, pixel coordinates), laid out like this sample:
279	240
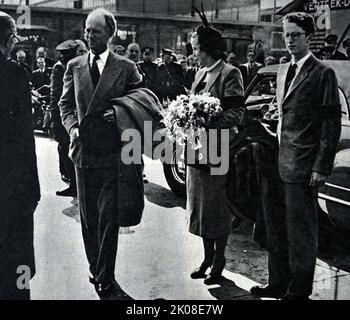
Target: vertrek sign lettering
313	6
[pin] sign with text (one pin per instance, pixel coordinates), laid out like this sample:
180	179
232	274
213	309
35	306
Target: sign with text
315	5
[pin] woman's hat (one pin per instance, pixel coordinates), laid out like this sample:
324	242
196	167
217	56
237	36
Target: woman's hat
209	38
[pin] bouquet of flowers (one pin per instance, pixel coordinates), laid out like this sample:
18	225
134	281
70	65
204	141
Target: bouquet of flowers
186	116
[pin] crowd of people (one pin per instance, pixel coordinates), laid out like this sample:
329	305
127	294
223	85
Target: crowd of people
87	85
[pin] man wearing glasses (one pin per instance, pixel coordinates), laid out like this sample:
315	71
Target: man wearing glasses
19	183
308	131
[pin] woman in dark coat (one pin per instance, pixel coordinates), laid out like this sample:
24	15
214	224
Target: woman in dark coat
207	204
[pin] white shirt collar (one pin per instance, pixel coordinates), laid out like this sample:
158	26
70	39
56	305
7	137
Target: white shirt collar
103	56
213	66
301	62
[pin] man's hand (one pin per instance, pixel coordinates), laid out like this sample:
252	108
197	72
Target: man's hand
110	116
317	179
74	133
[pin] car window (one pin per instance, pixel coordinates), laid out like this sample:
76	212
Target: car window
266	86
263	89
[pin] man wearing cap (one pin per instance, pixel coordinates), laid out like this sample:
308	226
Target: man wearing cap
331	41
110	192
67	51
346	46
19	183
170	80
149	69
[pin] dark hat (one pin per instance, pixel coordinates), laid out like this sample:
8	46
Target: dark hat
331	38
99	136
346	43
67	45
147	48
209	38
167	51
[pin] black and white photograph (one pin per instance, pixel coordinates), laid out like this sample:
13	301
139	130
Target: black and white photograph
174	155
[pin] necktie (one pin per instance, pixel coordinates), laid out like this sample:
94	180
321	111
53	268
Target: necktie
95	73
290	76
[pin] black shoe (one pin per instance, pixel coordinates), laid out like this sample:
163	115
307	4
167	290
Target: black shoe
213	279
268	291
199	273
295	297
112	291
215	274
69	192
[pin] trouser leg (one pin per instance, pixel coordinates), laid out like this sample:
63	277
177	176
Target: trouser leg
301	212
97	192
17	265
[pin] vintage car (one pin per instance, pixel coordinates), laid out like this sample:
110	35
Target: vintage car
334	197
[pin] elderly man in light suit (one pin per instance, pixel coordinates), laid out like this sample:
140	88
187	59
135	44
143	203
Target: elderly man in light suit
309	131
110	193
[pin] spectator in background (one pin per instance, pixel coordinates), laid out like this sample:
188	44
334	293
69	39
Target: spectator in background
192	62
21	61
346	46
326	53
331	41
249	69
170	80
270	60
67	51
41	77
133	52
189	74
231	59
119	49
284	59
41	52
149	68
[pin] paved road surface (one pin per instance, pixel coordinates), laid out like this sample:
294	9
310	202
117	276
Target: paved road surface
156	259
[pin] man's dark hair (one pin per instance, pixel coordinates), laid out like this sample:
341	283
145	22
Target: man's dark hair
302	20
6	23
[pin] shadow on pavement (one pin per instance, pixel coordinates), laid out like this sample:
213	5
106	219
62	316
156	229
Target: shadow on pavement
229	291
72	212
163	197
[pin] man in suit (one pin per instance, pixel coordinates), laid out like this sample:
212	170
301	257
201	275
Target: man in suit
309	130
249	69
41	77
110	193
41	52
19	183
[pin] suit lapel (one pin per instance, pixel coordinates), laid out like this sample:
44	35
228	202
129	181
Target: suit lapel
282	80
108	77
213	76
85	81
199	76
302	75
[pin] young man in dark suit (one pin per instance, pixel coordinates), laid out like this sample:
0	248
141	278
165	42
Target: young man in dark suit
19	183
309	130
